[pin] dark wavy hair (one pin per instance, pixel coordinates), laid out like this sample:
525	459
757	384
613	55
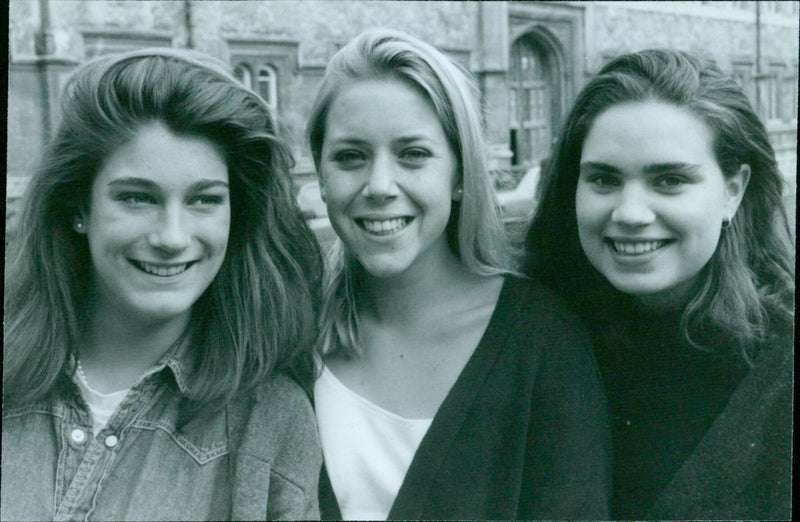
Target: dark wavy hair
746	291
258	314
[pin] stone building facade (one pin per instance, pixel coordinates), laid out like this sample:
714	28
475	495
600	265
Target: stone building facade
530	58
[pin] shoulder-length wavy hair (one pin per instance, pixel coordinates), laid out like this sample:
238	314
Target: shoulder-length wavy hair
746	290
258	314
475	230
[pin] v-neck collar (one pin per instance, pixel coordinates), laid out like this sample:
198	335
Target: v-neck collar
429	457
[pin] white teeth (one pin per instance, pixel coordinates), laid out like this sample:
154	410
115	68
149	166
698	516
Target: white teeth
637	248
162	271
385	226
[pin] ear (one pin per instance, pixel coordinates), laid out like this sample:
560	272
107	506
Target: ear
458	193
735	187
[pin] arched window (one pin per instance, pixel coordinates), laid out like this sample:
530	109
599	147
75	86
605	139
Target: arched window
242	73
268	85
530	102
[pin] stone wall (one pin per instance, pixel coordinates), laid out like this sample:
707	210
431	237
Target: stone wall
588	33
725	36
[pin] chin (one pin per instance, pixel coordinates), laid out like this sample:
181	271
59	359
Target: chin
640	289
164	313
383	269
382	272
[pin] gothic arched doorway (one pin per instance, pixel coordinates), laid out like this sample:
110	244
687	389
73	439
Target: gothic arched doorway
532	81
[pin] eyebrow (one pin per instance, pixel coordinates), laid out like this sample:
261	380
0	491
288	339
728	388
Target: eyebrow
413	138
651	168
358	141
146	183
597	165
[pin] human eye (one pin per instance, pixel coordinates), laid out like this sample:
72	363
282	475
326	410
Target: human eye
208	200
135	199
670	182
415	155
603	180
349	159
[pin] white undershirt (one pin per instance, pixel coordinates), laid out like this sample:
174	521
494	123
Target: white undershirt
101	405
367	449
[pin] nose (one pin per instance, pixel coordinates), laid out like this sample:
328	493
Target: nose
380	186
170	233
632	209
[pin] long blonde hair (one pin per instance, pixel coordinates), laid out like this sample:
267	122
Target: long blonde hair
475	231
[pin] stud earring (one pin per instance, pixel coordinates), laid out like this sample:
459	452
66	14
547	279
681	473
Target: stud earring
459	194
77	224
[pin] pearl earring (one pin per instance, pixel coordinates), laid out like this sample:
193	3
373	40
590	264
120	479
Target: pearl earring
78	225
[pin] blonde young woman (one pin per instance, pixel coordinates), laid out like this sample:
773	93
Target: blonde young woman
451	388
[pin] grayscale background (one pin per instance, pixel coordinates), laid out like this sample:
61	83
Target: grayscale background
530	60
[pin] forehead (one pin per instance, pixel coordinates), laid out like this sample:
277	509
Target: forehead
649	131
157	153
380	105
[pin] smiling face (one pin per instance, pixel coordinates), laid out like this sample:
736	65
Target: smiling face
388	175
158	224
651	199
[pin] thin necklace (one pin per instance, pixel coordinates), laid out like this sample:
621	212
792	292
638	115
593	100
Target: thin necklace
84	380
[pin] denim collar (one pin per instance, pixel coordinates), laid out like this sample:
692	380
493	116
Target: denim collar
180	359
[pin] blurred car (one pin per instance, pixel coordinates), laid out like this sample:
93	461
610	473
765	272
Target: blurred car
518	204
310	201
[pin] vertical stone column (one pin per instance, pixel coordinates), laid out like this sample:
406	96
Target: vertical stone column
493	49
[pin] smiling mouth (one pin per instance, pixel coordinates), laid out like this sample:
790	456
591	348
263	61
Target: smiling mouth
161	270
384	227
636	248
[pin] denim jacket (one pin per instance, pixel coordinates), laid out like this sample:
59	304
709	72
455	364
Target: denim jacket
256	458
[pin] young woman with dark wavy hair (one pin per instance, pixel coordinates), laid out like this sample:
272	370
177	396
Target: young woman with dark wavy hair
662	221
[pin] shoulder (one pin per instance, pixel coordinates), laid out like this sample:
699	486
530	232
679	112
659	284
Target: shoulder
273	428
276	421
278	401
530	305
283	389
771	375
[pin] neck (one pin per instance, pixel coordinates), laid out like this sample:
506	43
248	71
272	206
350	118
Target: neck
117	345
412	296
670	300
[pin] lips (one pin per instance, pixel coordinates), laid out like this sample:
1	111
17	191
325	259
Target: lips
161	269
636	247
384	227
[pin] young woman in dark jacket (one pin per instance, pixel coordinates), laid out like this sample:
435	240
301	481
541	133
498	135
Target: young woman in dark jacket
662	222
452	389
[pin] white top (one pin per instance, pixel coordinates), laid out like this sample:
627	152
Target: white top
101	405
367	449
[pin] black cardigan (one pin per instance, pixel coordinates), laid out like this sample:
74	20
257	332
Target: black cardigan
523	433
697	435
742	468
